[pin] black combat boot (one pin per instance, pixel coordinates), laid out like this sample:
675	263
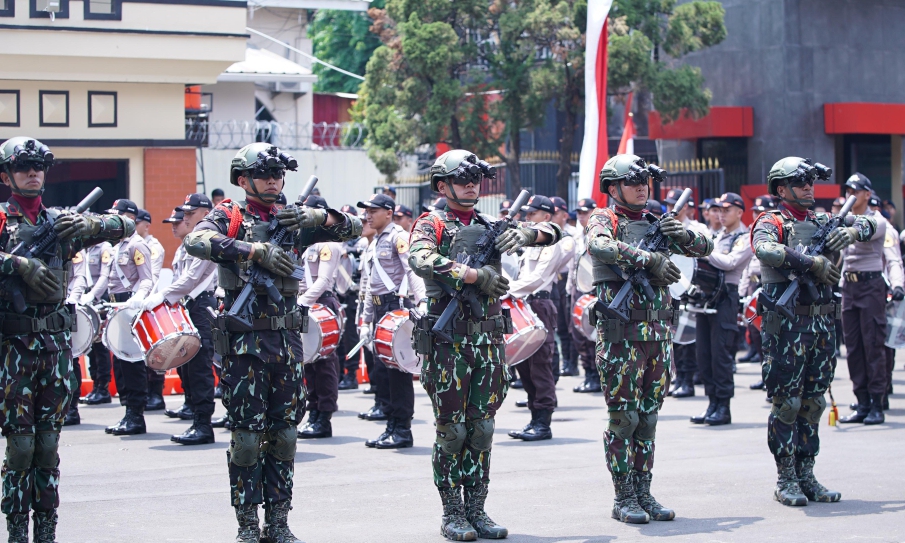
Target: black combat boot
875	415
72	418
184	413
199	433
133	423
861	410
45	530
222	422
591	384
17	526
517	434
86	397
815	491
521	403
711	408
474	513
454	525
757	386
369	390
788	492
320	428
684	386
540	430
249	531
748	356
516	383
647	502
625	506
110	429
391	427
569	368
101	394
721	415
375	413
155	403
312	418
348	382
276	523
401	438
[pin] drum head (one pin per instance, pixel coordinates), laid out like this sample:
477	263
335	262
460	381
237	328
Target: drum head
584	276
528	336
174	351
86	326
686	266
510	266
405	356
312	341
118	335
895	325
685	330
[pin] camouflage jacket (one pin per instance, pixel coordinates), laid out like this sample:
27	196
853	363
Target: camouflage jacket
429	257
606	229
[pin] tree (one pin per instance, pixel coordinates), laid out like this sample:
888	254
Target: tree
344	39
646	40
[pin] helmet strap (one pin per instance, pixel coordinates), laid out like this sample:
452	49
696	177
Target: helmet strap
621	200
807	204
25	193
464	202
266	198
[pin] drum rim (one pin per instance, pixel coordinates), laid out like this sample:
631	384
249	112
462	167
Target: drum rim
110	317
148	356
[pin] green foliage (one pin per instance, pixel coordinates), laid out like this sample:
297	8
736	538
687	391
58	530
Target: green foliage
344	39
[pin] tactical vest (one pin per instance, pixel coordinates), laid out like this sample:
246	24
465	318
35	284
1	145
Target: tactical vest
799	233
256	231
464	241
22	231
632	234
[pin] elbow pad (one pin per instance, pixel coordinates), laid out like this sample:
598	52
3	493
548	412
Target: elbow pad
421	266
603	249
771	254
198	244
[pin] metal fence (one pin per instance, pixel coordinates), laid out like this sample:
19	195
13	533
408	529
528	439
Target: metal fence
237	134
704	177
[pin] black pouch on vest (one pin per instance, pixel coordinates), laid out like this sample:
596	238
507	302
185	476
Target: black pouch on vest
507	321
613	330
771	323
220	339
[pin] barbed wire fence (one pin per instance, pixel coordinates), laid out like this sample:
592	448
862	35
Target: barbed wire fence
236	134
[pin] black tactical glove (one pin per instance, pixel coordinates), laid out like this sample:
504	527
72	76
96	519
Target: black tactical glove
74	225
662	268
898	294
491	282
675	230
294	218
515	238
273	258
841	237
825	271
37	276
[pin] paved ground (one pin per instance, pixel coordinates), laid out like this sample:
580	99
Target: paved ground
719	480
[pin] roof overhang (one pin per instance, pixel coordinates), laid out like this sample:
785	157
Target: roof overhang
721	122
263	66
863	118
345	5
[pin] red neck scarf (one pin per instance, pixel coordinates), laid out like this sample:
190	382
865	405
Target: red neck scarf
632	215
799	215
263	212
463	216
29	206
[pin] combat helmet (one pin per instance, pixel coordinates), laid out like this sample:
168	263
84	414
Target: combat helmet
261	160
24	152
793	168
460	167
631	169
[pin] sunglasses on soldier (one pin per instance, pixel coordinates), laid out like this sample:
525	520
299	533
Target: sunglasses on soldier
25	167
800	182
267	173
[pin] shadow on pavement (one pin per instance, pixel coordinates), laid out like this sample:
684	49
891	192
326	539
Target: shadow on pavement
554	441
415	451
178	447
688	526
522	538
335	440
302	457
853	508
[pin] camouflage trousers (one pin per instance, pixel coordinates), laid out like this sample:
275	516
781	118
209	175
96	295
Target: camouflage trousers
263	397
37	389
798	365
465	383
634	376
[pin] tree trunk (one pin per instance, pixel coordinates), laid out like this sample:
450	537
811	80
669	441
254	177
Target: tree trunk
513	169
455	137
564	173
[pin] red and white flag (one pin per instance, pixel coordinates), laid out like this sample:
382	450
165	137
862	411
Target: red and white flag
594	147
627	143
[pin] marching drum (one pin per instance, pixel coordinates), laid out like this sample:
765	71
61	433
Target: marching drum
118	336
393	341
895	325
322	337
528	331
510	266
584	276
87	323
167	336
700	283
749	306
581	316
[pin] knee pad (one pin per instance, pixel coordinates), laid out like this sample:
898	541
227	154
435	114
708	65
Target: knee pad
283	443
623	423
20	449
481	434
812	409
245	447
47	445
647	426
786	409
451	437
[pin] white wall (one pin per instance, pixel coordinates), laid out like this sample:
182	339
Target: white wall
232	101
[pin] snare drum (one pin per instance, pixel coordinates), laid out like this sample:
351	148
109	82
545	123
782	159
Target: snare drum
167	336
87	323
118	336
750	306
322	337
584	274
393	341
581	316
528	331
701	283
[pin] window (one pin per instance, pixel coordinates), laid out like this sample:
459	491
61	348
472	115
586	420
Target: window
110	10
40	9
101	109
7	8
53	108
9	107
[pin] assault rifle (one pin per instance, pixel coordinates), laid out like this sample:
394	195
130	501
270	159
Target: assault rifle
485	251
786	304
260	277
654	241
43	241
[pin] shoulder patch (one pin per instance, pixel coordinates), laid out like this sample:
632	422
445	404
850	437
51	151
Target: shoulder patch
325	253
138	258
546	253
402	246
739	242
154	252
78	258
106	256
890	240
568	244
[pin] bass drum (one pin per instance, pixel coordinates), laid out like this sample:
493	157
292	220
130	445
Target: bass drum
528	332
581	316
322	337
87	323
393	341
895	325
584	275
118	335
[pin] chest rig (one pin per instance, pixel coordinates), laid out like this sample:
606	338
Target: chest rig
20	231
793	234
463	241
255	230
630	232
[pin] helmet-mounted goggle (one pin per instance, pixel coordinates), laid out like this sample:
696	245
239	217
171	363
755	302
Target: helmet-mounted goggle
640	173
808	172
28	156
272	163
470	172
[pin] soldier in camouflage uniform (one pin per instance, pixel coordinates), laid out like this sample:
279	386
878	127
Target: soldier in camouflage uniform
467	379
799	354
263	390
634	359
36	372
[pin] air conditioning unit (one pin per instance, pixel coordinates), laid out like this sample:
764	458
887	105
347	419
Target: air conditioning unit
286	86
